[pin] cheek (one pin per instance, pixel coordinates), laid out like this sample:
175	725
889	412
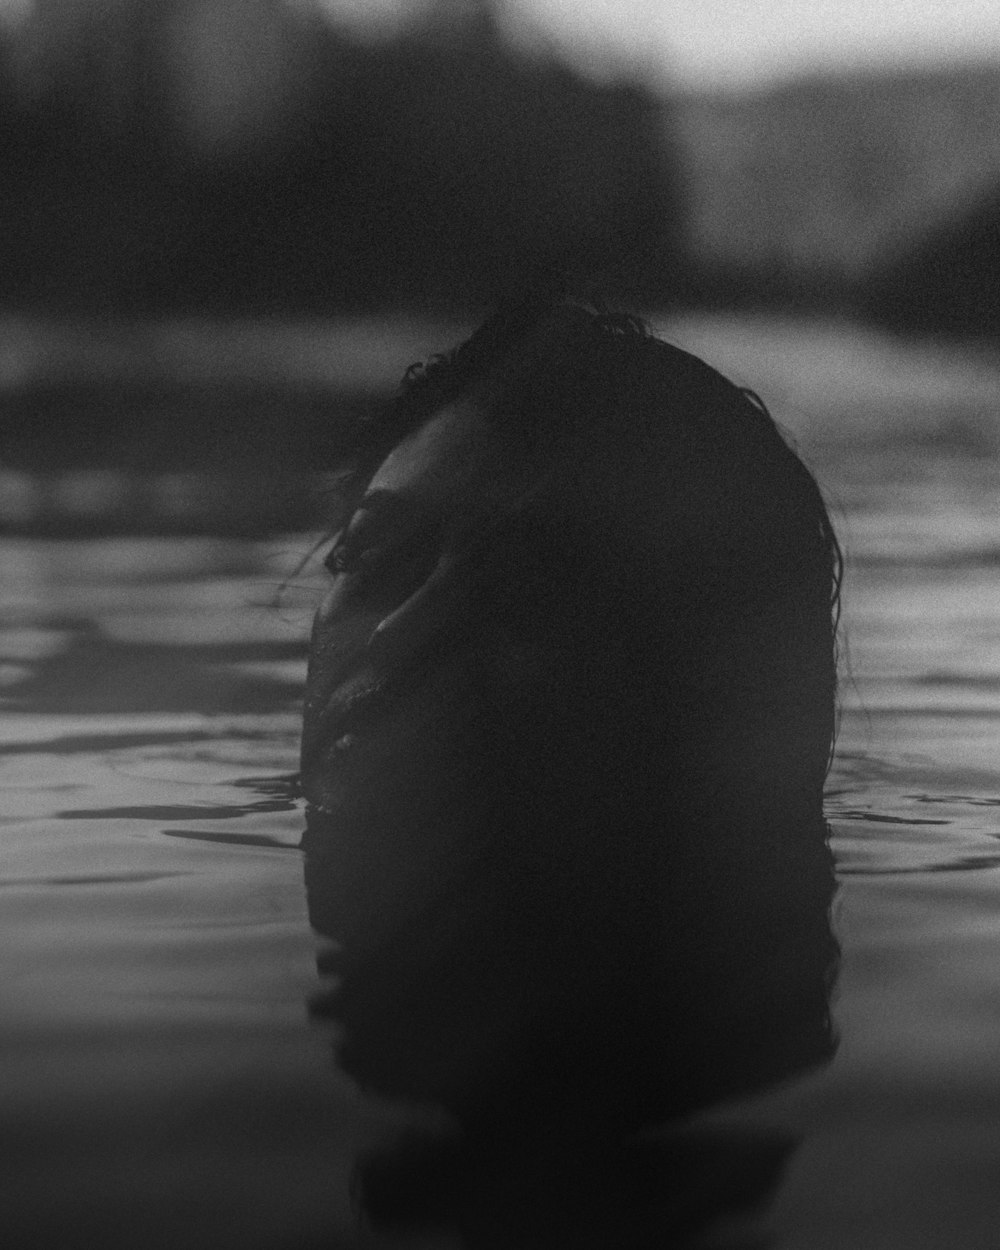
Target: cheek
404	806
340	633
424	775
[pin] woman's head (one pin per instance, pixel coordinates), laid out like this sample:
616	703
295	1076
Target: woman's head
569	712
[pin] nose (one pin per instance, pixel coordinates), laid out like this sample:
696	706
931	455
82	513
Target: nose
370	645
337	671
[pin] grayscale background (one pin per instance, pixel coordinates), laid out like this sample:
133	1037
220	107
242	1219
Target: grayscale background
226	228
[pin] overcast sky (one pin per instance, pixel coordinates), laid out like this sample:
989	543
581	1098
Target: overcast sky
744	42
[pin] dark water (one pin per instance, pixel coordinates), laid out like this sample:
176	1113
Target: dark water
160	1086
162	1083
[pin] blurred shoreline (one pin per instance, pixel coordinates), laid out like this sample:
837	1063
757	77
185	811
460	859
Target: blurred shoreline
239	426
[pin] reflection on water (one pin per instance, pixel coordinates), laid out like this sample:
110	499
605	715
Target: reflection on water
544	1148
162	1085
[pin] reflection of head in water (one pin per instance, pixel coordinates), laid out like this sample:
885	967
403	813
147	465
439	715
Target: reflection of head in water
569	714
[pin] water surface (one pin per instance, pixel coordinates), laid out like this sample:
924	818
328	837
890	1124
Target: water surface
163	1084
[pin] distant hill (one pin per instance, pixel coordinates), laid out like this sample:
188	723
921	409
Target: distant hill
816	190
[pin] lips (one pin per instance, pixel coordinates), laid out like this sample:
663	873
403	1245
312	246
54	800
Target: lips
386	719
354	704
358	708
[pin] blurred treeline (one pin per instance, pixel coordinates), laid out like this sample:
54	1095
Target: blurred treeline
249	156
235	156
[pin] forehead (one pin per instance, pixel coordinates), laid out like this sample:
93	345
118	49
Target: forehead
446	455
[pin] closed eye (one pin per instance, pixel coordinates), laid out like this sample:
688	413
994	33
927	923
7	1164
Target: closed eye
385	531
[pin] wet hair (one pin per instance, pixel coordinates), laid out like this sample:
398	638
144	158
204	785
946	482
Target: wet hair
616	370
427	385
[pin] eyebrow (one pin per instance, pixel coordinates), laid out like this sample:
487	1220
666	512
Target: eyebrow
393	505
382	500
381	497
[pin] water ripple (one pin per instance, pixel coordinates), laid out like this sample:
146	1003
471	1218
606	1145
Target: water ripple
104	878
231	839
964	863
198	811
877	818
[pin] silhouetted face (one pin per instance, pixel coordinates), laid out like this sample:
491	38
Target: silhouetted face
428	643
390	576
402	676
564	740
